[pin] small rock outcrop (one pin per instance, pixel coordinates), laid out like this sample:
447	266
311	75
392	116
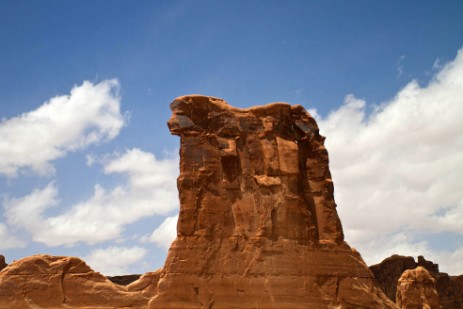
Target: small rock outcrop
3	263
416	289
388	272
258	226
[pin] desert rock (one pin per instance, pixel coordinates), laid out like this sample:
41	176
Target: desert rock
258	226
43	281
388	272
416	289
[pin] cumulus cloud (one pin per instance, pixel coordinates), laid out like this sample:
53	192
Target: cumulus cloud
113	261
150	189
90	114
165	234
398	168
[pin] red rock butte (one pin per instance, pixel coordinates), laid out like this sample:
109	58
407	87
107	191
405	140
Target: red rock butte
258	226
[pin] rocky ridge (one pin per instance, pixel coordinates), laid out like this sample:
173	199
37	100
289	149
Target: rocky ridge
388	272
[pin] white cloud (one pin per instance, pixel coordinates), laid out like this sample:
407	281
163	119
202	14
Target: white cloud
7	240
450	262
26	212
165	234
399	168
90	114
114	261
150	190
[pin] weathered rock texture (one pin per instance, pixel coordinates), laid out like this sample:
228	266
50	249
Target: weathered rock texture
416	289
388	272
258	226
44	281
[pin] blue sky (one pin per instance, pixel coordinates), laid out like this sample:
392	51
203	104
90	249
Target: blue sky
85	161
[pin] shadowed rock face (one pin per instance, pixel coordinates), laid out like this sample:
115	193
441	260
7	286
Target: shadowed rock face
258	225
2	262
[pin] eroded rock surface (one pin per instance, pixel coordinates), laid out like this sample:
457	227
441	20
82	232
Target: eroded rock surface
258	226
43	281
416	289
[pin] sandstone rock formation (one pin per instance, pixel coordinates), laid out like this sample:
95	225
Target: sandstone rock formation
258	226
388	272
416	289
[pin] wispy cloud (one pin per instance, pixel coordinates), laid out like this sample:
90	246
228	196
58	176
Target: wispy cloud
90	114
400	66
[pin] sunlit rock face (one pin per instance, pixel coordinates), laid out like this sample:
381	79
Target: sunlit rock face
258	226
44	281
416	289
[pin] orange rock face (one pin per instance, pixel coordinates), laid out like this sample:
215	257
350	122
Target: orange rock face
416	289
258	226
